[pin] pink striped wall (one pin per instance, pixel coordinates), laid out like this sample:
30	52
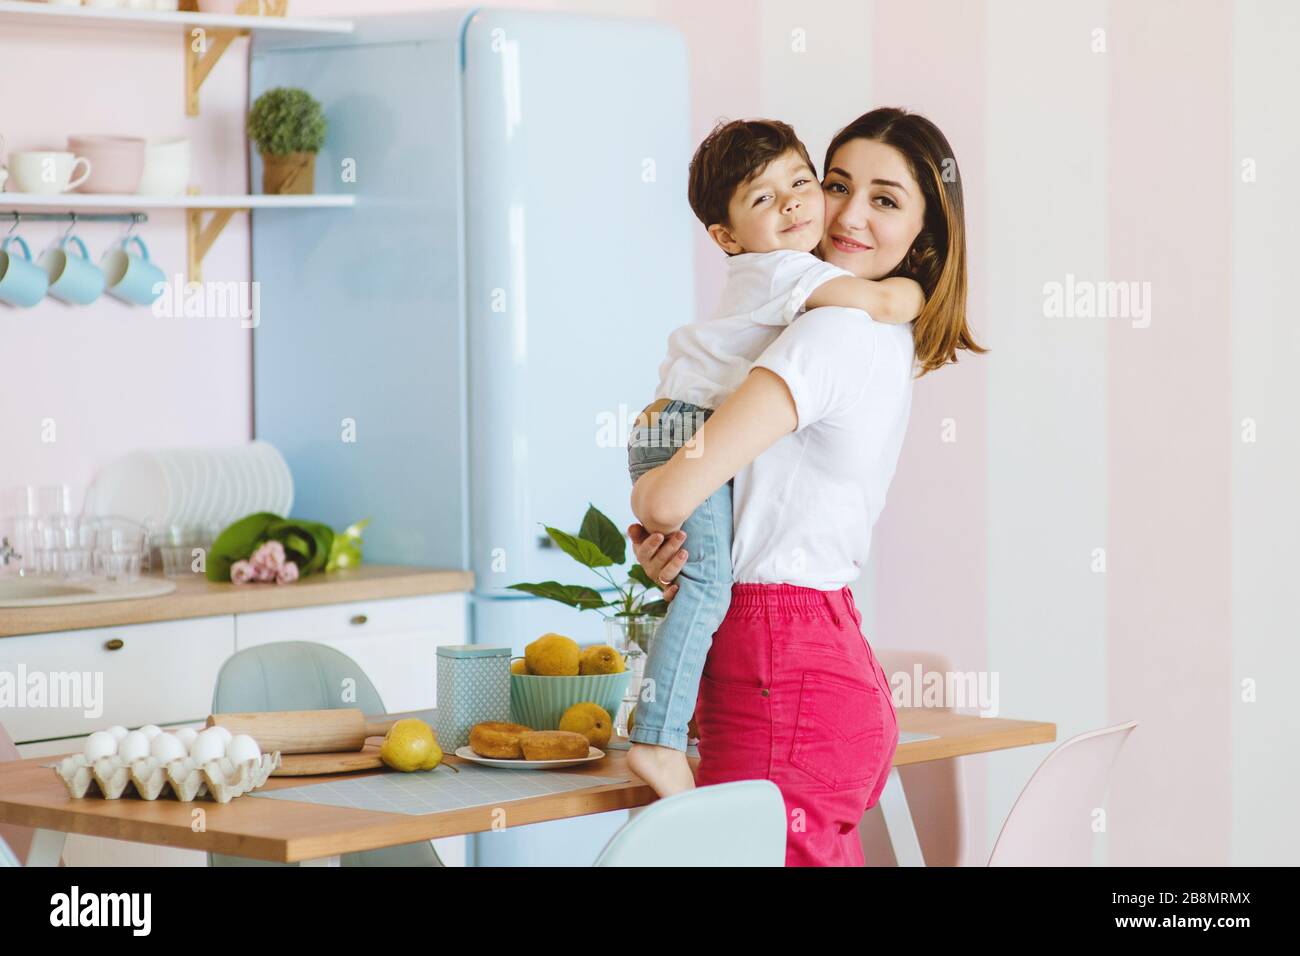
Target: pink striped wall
1169	539
930	540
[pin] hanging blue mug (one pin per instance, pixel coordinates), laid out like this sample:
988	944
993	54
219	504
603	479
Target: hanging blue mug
74	279
131	278
22	282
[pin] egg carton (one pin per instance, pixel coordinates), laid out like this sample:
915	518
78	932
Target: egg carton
149	777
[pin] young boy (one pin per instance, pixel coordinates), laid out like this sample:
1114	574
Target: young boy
754	188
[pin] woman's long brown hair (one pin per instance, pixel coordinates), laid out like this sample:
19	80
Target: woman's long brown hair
937	259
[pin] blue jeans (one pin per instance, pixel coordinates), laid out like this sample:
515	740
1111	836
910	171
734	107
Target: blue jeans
676	656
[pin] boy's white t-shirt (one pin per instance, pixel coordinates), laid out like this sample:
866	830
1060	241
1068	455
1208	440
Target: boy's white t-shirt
764	291
804	509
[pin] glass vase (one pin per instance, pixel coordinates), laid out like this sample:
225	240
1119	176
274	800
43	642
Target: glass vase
631	635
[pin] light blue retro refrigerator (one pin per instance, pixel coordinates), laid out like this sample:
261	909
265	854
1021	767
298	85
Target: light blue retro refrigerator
491	312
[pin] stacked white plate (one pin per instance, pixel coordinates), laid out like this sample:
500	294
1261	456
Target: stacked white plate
193	486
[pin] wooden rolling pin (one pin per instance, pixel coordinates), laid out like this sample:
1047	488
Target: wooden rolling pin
304	731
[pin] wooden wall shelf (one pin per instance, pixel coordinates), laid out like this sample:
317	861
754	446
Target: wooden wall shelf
206	36
200	234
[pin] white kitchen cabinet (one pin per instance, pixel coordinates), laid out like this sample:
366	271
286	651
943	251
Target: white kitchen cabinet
159	673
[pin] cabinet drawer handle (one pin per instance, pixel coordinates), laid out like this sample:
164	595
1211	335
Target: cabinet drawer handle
116	644
359	619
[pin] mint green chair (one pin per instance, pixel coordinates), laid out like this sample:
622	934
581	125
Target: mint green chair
725	824
299	675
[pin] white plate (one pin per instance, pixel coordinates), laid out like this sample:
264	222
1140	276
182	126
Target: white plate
465	753
136	487
179	487
281	477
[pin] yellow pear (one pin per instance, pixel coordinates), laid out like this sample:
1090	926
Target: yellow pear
601	659
591	720
435	757
553	655
519	666
408	745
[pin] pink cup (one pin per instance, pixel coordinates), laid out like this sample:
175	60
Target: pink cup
116	162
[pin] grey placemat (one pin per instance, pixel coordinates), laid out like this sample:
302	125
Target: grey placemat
438	790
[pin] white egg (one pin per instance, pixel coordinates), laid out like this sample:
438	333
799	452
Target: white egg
166	748
133	746
118	732
186	736
222	732
100	744
243	748
150	731
207	747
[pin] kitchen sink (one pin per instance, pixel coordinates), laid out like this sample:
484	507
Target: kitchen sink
41	591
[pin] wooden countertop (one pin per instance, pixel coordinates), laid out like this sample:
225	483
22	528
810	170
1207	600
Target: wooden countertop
195	596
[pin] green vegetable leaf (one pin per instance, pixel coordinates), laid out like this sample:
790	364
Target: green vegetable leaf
604	534
346	550
574	595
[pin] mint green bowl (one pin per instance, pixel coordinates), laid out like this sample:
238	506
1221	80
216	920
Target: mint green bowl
540	702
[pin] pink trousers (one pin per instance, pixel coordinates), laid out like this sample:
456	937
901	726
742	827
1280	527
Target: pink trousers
792	693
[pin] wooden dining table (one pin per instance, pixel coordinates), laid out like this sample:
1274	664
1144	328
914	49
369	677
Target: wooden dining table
288	831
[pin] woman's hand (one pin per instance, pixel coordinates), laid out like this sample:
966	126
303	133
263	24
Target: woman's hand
659	558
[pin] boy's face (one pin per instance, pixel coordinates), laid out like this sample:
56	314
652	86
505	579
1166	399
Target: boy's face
780	208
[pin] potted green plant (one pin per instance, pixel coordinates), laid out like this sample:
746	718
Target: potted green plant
288	126
630	618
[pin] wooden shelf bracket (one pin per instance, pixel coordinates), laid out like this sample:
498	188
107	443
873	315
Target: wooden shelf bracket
200	236
203	48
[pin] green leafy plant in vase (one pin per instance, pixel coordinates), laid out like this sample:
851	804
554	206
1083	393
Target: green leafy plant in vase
601	547
288	126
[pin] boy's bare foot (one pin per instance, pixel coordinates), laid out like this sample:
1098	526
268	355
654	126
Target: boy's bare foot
665	769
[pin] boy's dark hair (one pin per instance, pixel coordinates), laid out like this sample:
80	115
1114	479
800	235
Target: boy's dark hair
730	156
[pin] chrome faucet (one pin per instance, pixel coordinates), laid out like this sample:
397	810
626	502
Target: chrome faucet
7	553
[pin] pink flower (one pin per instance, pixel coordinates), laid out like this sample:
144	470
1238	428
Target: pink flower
288	574
241	572
268	560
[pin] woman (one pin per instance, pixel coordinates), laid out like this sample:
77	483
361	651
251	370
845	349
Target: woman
791	689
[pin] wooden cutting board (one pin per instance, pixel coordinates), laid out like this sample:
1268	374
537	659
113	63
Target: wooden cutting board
310	765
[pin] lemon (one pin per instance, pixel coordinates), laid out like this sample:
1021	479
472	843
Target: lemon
408	745
601	659
519	666
591	720
553	655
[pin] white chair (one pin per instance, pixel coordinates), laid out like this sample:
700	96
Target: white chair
1051	821
741	823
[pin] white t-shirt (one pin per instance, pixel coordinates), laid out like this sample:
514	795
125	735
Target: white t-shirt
764	291
805	507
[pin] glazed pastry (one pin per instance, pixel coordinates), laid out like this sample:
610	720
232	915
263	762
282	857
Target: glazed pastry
553	745
495	738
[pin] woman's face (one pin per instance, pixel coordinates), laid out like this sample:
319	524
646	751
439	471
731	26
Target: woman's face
874	209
